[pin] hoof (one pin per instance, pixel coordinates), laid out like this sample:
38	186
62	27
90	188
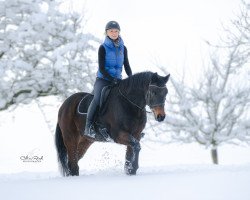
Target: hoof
130	172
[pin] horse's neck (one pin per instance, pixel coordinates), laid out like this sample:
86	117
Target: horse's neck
136	96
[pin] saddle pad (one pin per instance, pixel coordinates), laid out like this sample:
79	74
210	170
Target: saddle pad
84	104
86	100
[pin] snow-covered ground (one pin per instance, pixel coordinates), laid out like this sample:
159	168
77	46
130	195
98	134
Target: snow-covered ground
170	171
192	182
167	171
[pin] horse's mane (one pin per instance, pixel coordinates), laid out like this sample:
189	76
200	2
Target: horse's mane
138	80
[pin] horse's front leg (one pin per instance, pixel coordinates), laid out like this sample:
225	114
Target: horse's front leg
132	154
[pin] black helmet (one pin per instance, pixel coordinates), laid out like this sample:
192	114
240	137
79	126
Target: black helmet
112	24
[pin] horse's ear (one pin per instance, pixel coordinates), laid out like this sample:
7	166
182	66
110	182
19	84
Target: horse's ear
154	78
166	78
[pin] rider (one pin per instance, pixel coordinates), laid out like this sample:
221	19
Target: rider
112	55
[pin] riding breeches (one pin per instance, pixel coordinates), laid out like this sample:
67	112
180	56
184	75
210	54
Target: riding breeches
99	85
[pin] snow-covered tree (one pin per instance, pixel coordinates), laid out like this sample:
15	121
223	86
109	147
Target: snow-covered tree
43	51
216	109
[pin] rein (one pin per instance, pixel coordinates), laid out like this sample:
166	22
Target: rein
150	85
131	101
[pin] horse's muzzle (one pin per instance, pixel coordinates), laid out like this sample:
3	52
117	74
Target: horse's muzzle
160	118
159	113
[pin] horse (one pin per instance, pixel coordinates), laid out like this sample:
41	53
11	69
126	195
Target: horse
123	116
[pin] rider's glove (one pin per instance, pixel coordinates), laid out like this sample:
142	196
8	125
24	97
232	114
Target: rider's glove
115	81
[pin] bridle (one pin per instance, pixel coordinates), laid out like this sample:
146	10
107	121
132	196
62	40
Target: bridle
147	96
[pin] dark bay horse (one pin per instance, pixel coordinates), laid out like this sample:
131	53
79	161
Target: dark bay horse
123	115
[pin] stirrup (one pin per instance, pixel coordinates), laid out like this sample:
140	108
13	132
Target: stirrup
90	132
105	135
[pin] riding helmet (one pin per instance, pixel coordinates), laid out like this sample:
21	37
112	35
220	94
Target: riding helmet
112	24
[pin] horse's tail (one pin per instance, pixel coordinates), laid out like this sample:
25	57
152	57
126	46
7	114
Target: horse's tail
61	151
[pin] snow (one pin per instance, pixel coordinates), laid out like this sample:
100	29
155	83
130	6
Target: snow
175	182
167	171
44	40
28	164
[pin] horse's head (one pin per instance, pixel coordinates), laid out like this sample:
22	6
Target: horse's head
156	95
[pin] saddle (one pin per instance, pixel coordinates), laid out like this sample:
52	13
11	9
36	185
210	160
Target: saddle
101	130
104	96
86	100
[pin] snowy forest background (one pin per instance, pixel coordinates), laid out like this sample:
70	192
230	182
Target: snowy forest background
46	54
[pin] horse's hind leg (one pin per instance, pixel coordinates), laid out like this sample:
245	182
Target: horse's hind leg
83	146
75	153
73	165
73	159
76	149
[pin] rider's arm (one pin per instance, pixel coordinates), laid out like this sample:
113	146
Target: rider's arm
126	62
101	62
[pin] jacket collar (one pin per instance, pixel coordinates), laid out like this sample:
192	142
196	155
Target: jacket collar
110	43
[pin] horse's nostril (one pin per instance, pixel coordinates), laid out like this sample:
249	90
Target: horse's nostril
160	118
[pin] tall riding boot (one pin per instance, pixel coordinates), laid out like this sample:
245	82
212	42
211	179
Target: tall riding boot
89	128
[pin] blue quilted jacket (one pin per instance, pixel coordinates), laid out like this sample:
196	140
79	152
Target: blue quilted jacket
114	58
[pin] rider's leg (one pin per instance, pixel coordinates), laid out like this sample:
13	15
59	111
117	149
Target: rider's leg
99	85
89	130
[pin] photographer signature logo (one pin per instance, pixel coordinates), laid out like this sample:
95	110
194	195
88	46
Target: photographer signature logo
32	156
28	158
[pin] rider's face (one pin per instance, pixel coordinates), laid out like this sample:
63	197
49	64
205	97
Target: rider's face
113	33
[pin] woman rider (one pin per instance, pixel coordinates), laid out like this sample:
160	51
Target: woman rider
112	55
